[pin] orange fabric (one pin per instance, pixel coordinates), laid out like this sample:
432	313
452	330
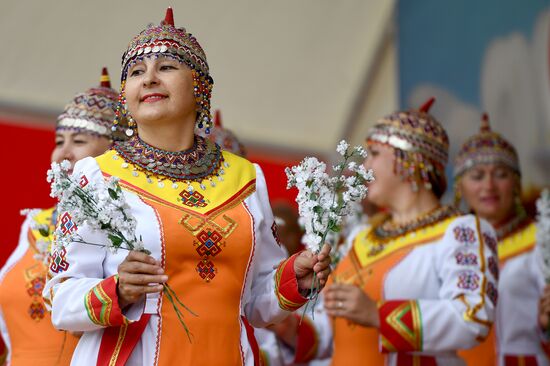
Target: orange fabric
483	354
354	344
32	341
216	331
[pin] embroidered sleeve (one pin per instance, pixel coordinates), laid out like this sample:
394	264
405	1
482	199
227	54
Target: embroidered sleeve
467	265
80	297
400	326
269	293
286	286
101	304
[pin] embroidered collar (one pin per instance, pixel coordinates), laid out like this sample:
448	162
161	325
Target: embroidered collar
387	231
513	225
202	161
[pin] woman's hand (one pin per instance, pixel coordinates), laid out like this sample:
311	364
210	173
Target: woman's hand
308	263
544	308
138	274
350	302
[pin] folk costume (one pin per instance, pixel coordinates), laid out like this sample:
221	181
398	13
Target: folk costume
204	213
516	338
25	324
434	279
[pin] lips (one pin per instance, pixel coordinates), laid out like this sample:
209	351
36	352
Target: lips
153	97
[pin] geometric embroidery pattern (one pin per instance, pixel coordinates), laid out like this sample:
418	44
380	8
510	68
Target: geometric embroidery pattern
400	326
209	244
466	259
37	310
194	199
492	293
493	267
35	285
210	241
66	223
58	263
491	242
464	234
468	280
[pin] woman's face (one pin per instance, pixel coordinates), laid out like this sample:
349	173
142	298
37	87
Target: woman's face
160	91
73	146
488	190
381	160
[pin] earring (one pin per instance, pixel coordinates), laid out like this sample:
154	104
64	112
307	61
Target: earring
123	116
458	194
202	89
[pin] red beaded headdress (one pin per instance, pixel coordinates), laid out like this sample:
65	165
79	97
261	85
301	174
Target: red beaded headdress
168	41
92	111
421	145
486	147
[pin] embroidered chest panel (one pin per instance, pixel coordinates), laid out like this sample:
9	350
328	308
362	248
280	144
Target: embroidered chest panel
207	222
207	198
368	252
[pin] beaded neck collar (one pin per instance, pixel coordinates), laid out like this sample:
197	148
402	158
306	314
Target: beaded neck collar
202	161
387	230
511	226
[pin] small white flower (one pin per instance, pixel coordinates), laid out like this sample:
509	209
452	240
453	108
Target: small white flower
342	148
360	151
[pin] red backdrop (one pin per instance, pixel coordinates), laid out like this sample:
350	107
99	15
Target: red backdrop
26	151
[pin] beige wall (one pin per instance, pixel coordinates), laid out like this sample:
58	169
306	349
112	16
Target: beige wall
292	74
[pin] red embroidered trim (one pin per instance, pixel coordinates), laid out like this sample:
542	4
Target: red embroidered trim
286	286
400	326
117	343
101	303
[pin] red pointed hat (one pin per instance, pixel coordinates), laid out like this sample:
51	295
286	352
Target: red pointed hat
413	131
486	147
92	111
168	40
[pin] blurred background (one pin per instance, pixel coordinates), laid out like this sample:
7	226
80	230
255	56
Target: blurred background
292	77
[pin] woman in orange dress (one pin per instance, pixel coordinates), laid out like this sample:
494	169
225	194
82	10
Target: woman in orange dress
416	285
203	214
84	129
488	178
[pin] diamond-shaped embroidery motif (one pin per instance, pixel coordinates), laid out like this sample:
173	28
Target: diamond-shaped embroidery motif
37	310
67	224
194	199
209	243
58	262
206	270
35	287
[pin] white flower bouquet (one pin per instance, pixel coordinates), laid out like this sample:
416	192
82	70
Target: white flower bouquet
323	200
102	209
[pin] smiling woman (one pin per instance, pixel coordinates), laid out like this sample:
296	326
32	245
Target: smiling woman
487	177
159	91
82	130
204	217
